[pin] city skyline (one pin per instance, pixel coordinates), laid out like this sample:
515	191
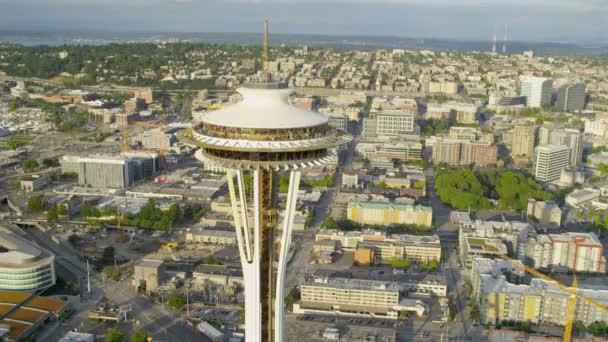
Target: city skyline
528	21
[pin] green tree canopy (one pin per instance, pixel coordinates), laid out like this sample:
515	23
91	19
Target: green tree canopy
176	301
115	335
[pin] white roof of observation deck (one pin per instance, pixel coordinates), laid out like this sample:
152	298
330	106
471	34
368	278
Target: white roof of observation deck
264	109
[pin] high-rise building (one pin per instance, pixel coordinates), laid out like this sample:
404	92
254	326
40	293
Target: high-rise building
338	121
389	123
464	152
113	172
570	97
571	138
537	90
261	135
549	160
523	139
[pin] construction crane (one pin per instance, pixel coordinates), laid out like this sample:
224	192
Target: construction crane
574	295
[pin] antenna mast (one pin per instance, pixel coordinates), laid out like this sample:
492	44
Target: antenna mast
494	41
266	54
504	44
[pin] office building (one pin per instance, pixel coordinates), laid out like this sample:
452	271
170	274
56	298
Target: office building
389	123
153	139
545	212
338	121
537	91
459	111
597	127
385	213
464	152
403	151
364	294
580	252
523	139
570	97
24	266
114	172
385	247
549	160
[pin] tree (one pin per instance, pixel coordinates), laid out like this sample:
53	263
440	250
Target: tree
433	265
108	254
52	215
329	223
29	165
176	301
115	335
139	335
35	204
62	210
397	262
602	168
211	260
50	162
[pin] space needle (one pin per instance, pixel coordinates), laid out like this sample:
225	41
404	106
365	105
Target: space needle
260	137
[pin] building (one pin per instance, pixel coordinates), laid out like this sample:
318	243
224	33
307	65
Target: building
211	236
350	178
153	139
341	294
464	152
537	91
549	160
386	247
72	336
33	183
259	136
338	121
570	97
493	238
25	314
125	119
148	275
471	134
386	213
217	274
545	212
580	252
524	136
389	123
114	172
24	266
581	196
135	104
571	138
403	151
501	295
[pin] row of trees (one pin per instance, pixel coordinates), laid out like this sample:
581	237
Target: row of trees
150	215
117	335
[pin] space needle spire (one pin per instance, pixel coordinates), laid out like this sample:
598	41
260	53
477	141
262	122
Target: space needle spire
259	138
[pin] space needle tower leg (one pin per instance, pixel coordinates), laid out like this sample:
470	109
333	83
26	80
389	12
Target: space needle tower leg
290	208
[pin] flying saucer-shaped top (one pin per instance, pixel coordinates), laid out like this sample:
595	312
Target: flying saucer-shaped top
264	109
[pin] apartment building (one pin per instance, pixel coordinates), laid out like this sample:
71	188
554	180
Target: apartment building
386	247
546	212
386	213
524	134
500	294
580	252
479	238
549	161
389	123
464	152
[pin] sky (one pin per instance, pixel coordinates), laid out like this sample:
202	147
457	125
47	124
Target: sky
574	21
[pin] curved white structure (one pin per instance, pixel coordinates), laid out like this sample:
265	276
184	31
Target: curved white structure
264	134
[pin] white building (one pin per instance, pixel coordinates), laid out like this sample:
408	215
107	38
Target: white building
549	160
537	91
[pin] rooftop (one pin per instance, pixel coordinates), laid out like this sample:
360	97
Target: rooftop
264	109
